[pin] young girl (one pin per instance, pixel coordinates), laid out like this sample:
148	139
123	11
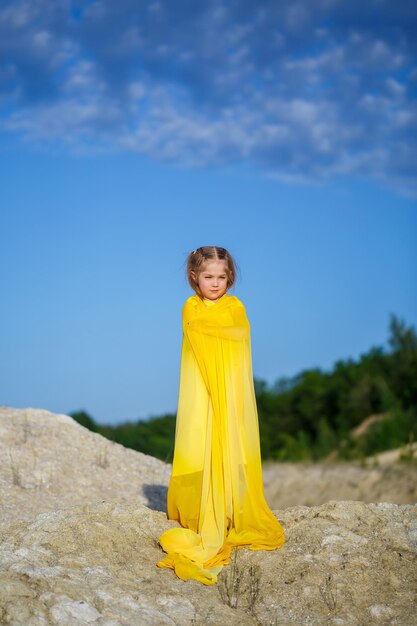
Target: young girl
216	489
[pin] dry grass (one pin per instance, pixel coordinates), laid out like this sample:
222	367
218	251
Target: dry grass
328	591
240	585
16	472
102	456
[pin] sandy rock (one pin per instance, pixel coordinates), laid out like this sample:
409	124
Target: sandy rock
290	484
364	426
343	563
79	546
48	461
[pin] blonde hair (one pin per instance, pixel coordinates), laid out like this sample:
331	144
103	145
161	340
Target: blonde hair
198	257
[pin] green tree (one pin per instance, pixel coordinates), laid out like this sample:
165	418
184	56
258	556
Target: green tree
403	361
83	418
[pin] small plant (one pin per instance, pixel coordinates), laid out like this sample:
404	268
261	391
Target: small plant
254	586
26	427
102	457
16	474
230	583
326	590
240	584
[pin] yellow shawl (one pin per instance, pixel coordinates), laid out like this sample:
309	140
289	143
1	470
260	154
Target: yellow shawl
216	490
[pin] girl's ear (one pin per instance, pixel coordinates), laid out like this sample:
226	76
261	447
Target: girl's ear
193	276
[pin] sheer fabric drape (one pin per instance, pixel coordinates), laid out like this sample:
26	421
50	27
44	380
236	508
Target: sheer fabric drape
216	489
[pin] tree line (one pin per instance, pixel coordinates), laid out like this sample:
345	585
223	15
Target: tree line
315	415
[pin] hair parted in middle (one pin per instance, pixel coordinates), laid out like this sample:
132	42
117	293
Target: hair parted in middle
197	259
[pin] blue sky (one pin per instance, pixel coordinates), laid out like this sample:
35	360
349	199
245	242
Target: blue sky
131	133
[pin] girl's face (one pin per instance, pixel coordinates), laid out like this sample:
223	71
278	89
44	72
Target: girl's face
212	280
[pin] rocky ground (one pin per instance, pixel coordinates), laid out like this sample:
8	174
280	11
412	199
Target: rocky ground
309	484
49	462
81	517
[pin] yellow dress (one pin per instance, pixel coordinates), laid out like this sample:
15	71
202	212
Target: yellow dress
216	489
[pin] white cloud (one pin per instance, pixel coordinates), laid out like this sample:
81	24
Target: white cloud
306	92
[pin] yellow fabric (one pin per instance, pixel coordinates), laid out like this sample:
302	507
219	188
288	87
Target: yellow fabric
216	489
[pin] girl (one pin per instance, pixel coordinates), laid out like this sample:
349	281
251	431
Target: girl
216	489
